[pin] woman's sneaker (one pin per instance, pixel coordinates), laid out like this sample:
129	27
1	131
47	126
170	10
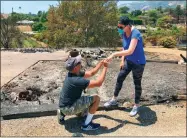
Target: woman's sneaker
111	103
61	117
134	111
90	126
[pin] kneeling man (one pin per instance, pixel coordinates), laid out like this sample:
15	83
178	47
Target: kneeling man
71	101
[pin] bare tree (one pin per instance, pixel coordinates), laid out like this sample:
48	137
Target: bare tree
9	32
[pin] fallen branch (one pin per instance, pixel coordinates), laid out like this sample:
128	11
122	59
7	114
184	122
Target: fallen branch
185	59
179	97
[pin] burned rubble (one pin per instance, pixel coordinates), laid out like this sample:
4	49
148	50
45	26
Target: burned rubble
40	84
28	50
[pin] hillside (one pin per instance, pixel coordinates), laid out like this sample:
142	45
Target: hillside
140	5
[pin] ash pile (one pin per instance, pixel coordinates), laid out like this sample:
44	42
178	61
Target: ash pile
41	83
91	57
28	50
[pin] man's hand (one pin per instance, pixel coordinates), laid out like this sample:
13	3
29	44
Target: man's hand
105	63
102	61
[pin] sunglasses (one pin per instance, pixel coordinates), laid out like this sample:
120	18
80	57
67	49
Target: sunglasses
120	27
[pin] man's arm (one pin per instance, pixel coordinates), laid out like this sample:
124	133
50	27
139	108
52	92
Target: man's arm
93	71
98	82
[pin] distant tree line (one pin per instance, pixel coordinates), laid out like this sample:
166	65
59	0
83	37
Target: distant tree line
151	17
39	19
91	24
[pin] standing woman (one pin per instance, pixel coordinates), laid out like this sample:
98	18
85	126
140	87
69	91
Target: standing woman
133	59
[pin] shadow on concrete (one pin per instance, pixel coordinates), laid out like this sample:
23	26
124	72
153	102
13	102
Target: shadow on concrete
73	125
146	117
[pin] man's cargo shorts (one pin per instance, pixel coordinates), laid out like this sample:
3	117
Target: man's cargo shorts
82	104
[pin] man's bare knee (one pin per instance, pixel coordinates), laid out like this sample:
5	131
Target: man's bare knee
96	98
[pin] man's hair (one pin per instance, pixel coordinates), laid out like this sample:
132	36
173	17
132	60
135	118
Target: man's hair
74	53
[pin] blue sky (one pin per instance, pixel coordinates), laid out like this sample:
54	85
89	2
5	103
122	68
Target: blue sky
31	6
26	6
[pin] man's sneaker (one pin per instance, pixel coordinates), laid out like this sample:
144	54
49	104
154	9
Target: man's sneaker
111	103
61	117
90	126
134	110
84	117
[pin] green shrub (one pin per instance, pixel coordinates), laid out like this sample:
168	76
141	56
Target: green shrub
137	22
168	42
164	22
38	26
17	42
29	43
152	39
39	37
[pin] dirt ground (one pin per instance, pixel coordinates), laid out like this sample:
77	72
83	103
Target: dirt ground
13	63
173	54
157	120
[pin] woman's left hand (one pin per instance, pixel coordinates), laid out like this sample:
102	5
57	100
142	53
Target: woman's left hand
109	59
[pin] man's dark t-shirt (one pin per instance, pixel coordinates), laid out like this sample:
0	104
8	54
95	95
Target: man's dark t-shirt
72	89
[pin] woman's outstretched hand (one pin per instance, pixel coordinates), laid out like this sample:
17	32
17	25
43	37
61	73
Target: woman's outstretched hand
109	59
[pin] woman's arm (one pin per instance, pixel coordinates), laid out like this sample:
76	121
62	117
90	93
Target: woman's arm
127	52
